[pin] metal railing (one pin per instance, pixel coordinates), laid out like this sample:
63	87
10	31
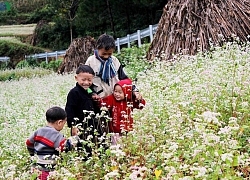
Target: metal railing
150	31
5	59
46	55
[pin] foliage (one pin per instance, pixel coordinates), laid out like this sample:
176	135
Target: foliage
51	35
89	18
53	65
32	62
128	18
133	60
29	62
21	73
22	64
7	17
27	6
16	50
44	13
195	124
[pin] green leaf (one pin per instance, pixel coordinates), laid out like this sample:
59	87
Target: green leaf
235	161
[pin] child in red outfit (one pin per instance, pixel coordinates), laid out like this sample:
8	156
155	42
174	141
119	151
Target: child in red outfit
121	104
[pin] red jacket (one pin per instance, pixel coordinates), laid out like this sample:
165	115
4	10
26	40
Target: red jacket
121	110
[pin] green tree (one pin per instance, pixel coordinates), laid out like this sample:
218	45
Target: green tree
67	9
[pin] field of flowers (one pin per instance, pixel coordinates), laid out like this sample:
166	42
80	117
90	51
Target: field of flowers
195	124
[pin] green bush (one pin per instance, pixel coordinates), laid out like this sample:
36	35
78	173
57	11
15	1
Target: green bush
133	60
52	65
32	62
8	17
3	65
29	62
22	64
17	50
44	65
45	13
50	35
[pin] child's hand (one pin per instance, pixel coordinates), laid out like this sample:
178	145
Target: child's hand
74	140
138	96
95	97
74	131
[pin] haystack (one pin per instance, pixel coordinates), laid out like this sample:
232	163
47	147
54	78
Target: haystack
189	26
78	52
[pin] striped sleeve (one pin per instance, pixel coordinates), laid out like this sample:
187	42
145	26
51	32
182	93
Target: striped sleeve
30	145
62	143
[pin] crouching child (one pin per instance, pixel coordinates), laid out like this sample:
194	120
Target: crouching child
46	143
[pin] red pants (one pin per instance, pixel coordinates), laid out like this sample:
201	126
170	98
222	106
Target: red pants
43	175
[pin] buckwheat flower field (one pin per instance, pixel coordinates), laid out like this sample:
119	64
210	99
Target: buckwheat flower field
195	124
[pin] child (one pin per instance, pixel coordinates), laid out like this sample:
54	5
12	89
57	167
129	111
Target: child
81	108
107	68
121	104
47	142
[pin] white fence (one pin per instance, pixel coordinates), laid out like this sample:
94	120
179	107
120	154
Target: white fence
150	31
5	59
46	55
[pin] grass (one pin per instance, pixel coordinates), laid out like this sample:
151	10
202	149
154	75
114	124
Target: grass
23	73
195	124
12	30
13	33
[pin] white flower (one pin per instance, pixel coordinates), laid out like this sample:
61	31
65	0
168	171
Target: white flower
173	146
196	151
201	171
227	156
210	117
112	174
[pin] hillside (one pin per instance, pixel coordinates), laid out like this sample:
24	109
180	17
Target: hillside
15	30
15	42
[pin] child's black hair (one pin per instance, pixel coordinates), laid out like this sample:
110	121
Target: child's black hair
105	41
85	69
55	113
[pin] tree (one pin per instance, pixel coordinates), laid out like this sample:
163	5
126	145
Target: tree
189	26
72	13
111	17
67	10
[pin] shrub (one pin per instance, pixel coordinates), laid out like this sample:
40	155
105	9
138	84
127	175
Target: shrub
3	65
53	65
44	13
22	64
133	60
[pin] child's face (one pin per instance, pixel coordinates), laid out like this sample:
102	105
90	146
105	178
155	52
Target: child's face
118	93
105	54
85	80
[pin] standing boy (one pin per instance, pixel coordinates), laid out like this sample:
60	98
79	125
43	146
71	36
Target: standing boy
82	109
107	68
47	142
